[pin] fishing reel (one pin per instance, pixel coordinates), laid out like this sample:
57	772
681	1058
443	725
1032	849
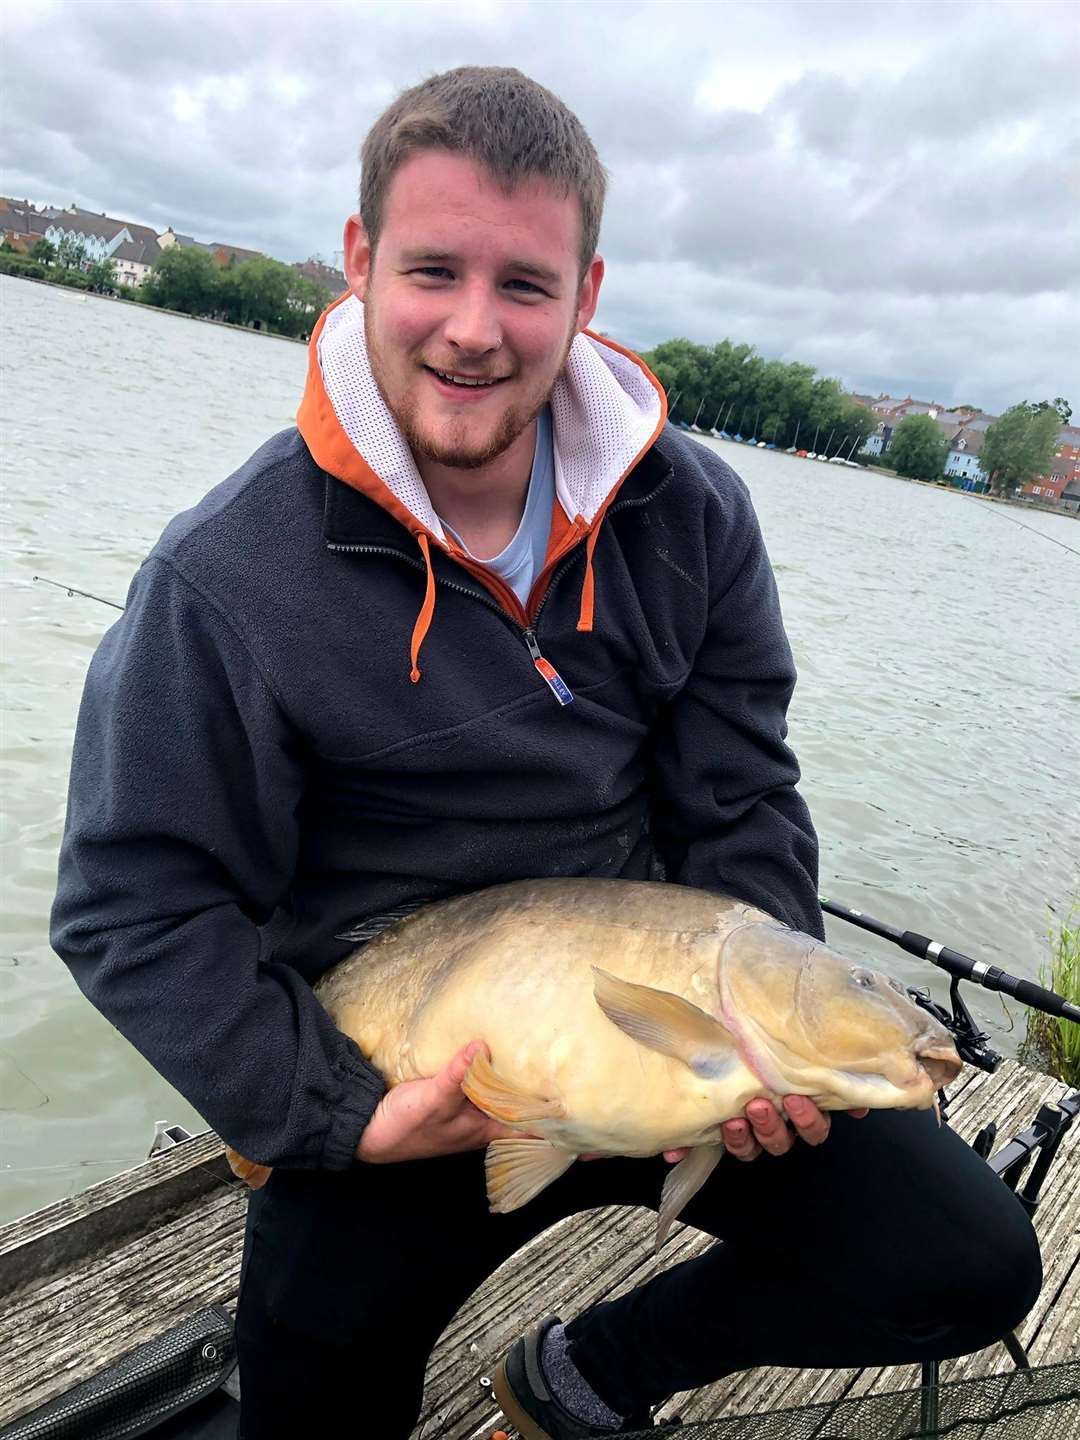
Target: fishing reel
972	1044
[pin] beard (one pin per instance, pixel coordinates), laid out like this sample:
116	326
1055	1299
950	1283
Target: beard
455	450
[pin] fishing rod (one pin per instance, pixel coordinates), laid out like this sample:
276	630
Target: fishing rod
961	967
73	590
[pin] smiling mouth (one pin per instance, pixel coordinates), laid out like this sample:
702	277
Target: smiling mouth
466	382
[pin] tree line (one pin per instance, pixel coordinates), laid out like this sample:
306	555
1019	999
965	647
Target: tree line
731	388
262	294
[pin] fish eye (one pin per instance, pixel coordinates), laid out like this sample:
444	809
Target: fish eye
864	978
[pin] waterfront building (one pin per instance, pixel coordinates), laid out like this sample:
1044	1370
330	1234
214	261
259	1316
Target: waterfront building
962	461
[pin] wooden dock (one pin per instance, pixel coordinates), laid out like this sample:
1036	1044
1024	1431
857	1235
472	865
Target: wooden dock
87	1280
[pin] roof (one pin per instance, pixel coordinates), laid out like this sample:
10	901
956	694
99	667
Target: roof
24	221
326	275
187	242
224	253
973	441
84	223
141	252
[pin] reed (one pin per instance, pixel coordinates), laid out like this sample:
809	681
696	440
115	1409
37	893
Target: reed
1052	1044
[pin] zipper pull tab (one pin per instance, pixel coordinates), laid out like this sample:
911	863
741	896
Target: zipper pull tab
551	676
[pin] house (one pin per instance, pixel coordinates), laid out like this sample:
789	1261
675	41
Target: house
134	260
20	224
225	255
325	275
98	235
962	461
1064	471
168	238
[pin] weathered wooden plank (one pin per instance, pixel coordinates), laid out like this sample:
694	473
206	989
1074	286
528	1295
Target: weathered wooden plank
85	1310
60	1332
61	1234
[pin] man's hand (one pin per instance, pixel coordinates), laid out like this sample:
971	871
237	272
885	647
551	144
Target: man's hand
765	1129
422	1118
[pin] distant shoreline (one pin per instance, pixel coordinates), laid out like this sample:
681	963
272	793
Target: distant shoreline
1044	508
155	309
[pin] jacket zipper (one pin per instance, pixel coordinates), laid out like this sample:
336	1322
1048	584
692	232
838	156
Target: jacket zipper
550	676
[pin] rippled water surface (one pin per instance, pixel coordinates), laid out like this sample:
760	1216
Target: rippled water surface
936	717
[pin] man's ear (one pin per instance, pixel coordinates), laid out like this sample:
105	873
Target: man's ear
589	294
359	255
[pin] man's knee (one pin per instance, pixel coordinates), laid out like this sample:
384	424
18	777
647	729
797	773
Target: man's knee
979	1292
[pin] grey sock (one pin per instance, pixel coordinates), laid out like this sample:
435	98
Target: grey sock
570	1387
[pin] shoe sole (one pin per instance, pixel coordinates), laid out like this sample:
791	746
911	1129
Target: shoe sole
508	1404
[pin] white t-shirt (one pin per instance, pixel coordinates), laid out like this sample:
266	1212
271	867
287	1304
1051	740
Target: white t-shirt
522	559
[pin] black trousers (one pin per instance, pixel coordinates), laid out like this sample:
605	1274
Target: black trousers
890	1243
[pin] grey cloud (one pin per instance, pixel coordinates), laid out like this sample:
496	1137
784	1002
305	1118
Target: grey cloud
917	220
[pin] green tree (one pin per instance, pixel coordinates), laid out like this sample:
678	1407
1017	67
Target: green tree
1020	445
184	278
918	448
102	276
43	250
71	253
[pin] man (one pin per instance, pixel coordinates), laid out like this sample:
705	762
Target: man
481	616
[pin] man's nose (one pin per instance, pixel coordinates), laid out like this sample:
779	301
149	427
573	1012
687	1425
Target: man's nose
474	327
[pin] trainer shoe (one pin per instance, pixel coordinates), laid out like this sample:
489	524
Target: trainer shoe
528	1402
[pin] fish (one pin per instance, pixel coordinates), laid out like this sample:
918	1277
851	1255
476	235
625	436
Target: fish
626	1018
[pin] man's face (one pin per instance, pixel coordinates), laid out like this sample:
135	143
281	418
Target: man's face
469	283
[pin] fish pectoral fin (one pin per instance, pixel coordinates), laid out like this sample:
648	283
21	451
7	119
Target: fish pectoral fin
667	1023
496	1097
254	1175
517	1170
683	1182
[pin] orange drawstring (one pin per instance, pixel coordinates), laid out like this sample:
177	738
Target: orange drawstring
427	610
585	615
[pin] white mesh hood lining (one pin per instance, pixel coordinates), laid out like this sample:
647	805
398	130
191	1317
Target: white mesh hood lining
604	411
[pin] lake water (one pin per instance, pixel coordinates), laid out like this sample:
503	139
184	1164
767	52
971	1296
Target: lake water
936	716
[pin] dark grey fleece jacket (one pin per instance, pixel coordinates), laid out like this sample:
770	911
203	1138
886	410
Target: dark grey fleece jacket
254	773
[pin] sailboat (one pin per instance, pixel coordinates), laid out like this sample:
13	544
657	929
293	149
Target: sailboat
825	455
795	443
812	455
693	424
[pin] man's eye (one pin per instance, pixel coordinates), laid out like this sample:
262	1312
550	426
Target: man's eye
528	287
432	272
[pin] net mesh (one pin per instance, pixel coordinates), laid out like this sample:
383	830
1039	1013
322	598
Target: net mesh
604	410
1037	1404
138	1393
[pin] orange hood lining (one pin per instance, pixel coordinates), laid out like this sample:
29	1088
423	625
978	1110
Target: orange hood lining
334	452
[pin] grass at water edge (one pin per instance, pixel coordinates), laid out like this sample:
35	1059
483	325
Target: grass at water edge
1052	1044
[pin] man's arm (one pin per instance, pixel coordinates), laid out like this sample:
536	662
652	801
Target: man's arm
727	815
181	841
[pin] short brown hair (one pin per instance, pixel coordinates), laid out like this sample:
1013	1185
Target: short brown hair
500	119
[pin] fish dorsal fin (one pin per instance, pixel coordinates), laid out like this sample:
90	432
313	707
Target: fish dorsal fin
518	1169
497	1097
666	1023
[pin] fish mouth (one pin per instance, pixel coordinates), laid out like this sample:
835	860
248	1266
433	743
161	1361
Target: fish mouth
941	1063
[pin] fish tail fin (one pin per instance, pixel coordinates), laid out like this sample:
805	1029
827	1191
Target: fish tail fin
254	1175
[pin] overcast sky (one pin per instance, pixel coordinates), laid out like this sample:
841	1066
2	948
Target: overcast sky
889	192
